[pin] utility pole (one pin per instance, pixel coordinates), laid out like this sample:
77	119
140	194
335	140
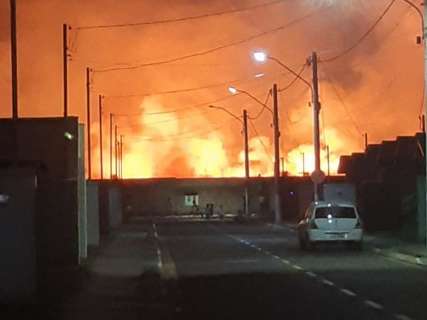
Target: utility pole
282	160
316	128
303	164
65	65
121	156
88	123
245	131
277	213
422	123
14	59
328	159
115	149
111	145
101	162
366	140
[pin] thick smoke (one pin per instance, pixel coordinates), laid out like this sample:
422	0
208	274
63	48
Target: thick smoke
376	88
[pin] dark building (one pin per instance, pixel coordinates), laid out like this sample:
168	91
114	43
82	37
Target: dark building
50	146
390	180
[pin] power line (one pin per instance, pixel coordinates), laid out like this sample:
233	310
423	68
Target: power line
186	135
211	50
298	77
364	36
260	140
183	19
343	104
209	86
263	107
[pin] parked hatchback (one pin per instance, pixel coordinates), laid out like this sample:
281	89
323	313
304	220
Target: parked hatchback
330	222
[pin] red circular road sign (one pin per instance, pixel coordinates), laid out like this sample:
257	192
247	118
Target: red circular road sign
318	176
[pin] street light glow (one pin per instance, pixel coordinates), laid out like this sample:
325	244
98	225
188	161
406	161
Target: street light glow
260	56
232	90
259	75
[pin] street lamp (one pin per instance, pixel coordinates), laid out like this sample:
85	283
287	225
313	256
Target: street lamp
244	122
275	113
317	176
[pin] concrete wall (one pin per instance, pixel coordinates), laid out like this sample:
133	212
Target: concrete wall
93	233
166	196
421	210
82	201
45	141
17	235
114	206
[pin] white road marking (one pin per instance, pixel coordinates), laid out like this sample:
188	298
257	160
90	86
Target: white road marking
348	292
328	283
159	256
373	304
286	261
277	257
402	317
156	235
311	274
295	266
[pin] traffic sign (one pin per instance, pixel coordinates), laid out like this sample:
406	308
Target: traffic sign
318	176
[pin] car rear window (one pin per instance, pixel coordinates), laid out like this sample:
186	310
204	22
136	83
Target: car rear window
335	212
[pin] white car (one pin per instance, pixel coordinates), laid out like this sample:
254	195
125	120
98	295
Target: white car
330	222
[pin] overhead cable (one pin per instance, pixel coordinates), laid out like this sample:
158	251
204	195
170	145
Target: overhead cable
211	50
182	19
363	37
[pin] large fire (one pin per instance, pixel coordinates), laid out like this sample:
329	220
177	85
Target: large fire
159	145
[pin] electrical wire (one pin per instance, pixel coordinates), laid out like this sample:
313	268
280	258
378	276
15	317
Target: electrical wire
263	107
298	77
364	36
342	103
214	49
187	134
183	19
209	86
260	140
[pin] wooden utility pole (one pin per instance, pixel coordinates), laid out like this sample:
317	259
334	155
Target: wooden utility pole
88	123
101	160
14	59
115	150
366	141
121	156
65	65
328	159
277	204
111	145
316	127
245	133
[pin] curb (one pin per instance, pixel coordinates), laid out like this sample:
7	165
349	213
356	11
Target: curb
420	261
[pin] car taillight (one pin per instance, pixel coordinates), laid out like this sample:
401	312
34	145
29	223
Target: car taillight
313	224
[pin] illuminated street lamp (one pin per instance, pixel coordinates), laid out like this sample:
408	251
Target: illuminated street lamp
232	90
275	113
244	122
262	57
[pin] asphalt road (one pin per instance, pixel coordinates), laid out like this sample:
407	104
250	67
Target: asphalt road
218	270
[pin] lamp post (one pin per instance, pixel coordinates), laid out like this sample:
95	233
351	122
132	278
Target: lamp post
275	113
244	123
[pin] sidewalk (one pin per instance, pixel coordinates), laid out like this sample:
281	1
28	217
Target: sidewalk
388	245
385	244
123	280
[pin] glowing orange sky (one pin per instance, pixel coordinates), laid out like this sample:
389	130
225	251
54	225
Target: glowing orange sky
377	88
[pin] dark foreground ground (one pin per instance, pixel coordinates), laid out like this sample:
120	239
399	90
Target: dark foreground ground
223	270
